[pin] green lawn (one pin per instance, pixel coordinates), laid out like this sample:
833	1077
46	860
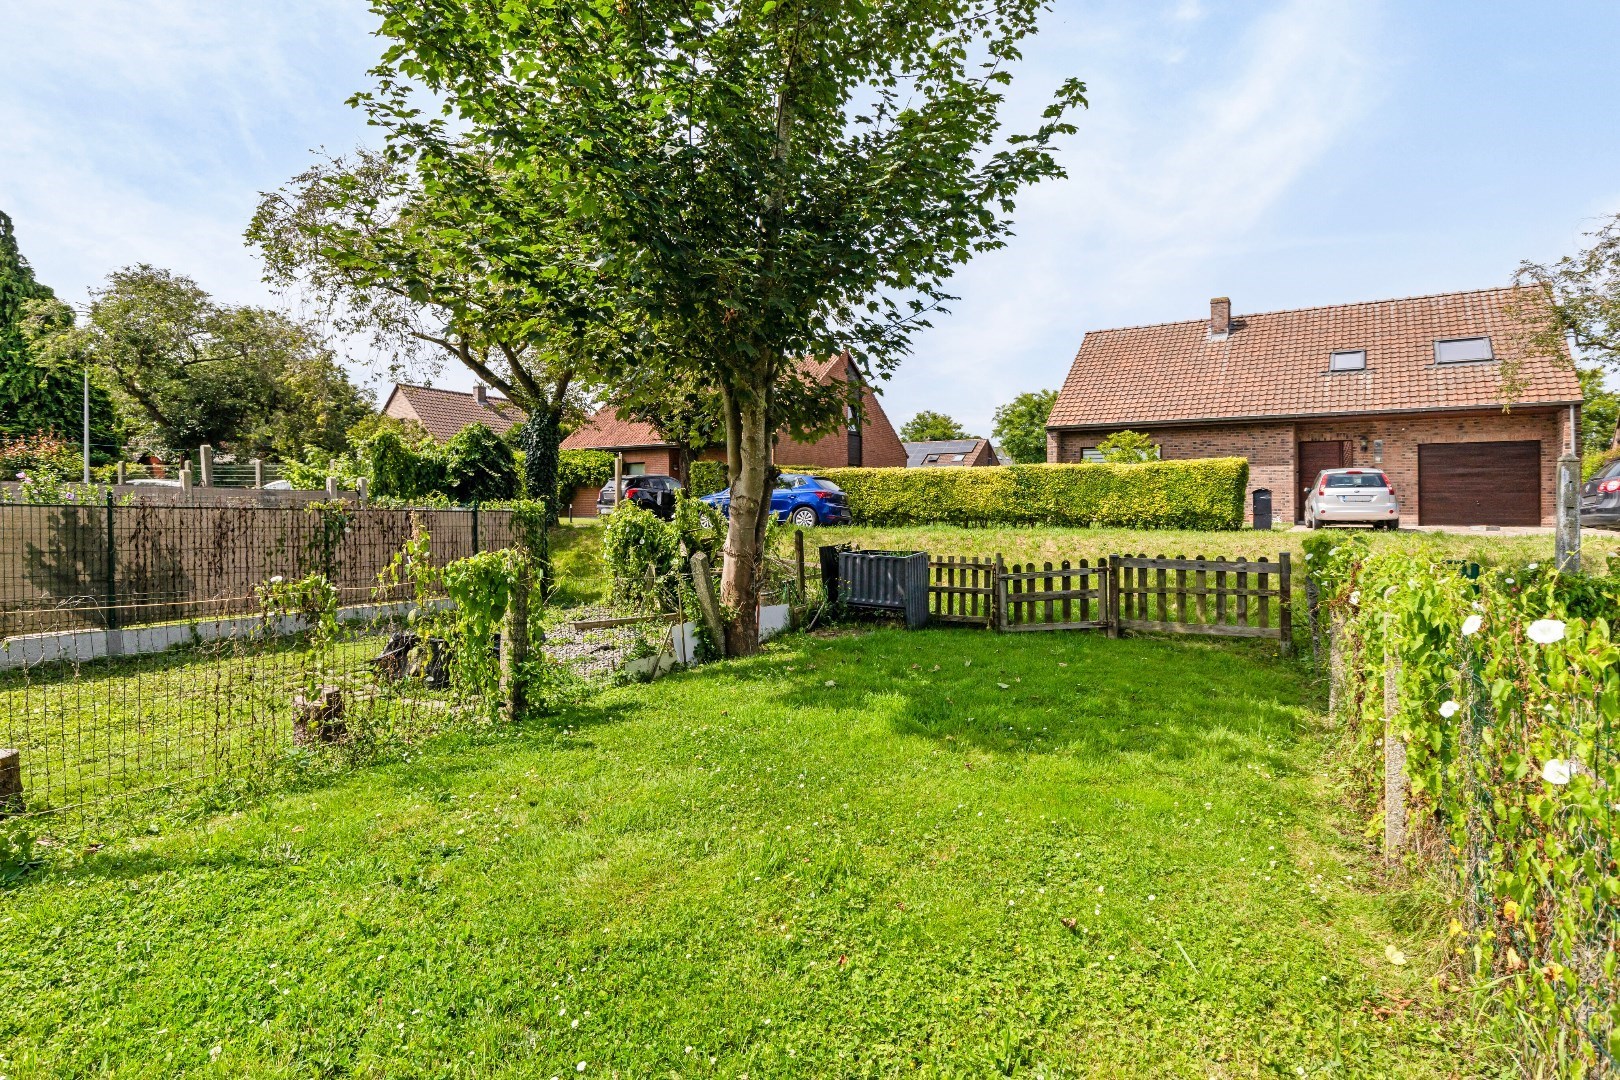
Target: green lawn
850	856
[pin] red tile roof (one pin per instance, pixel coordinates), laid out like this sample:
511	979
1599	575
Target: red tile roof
446	412
1275	364
607	431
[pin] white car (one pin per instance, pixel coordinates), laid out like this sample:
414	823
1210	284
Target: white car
1352	497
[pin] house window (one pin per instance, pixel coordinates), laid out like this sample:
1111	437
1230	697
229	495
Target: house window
1463	350
930	459
1091	454
956	457
635	468
1348	360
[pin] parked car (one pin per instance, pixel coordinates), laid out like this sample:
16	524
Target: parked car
1352	497
1600	498
802	500
655	493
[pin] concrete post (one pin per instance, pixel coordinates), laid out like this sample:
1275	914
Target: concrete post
205	456
1335	636
618	479
121	473
258	472
331	487
1568	544
361	488
708	604
1394	756
185	477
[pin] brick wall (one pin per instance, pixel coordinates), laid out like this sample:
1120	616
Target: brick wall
659	461
1271	448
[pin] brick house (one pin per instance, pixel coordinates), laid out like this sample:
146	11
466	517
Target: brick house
445	412
645	451
1413	386
950	454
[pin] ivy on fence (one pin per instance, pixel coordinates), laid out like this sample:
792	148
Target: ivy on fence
1507	683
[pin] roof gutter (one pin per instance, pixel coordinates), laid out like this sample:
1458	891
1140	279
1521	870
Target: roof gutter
1113	425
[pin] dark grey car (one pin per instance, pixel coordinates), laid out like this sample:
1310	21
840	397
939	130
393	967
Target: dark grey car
655	493
1600	498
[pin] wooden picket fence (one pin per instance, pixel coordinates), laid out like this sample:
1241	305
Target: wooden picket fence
1236	597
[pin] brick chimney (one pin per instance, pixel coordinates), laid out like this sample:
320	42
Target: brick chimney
1220	318
480	396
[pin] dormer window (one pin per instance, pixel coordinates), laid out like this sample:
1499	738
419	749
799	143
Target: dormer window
1464	350
1348	360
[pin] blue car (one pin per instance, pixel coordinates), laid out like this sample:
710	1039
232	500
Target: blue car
801	500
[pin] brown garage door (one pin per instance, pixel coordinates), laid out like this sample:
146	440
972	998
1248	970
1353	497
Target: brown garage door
1482	483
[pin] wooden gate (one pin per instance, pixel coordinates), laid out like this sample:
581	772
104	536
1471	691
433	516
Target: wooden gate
962	590
1225	597
1062	598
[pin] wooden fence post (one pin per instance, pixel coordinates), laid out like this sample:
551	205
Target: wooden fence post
515	645
998	598
798	558
1285	607
1394	755
11	791
708	605
1112	607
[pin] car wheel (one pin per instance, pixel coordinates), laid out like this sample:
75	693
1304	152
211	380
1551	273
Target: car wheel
1310	521
804	517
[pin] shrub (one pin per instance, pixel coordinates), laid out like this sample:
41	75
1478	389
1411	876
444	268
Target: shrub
1201	494
1593	461
479	467
401	471
635	541
38	455
582	469
1128	448
705	478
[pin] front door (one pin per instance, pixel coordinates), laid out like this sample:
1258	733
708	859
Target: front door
1313	458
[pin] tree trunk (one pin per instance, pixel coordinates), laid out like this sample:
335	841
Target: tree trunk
541	440
745	535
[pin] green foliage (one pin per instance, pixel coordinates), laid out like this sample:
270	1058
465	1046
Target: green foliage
1020	426
1128	448
189	370
38	456
401	471
1600	410
929	425
1594	461
583	469
1584	294
705	478
1199	494
641	549
479	466
481	588
1509	691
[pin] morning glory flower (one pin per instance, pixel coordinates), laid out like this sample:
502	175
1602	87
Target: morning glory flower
1546	631
1449	709
1471	625
1556	771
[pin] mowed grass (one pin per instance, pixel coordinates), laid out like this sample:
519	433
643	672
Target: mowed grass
849	856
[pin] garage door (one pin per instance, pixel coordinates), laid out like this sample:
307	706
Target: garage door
1481	483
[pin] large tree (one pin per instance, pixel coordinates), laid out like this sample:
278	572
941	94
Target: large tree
39	395
403	256
1020	426
189	370
1584	290
929	425
770	179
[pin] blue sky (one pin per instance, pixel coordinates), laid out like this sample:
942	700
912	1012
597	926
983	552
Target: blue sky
1286	153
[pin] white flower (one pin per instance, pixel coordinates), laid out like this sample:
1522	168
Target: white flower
1556	771
1532	566
1355	598
1508	580
276	580
1472	624
580	1067
1449	709
1546	631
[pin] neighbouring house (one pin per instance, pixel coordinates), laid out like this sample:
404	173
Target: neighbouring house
1419	387
445	412
950	454
646	452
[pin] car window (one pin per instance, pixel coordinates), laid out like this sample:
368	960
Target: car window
785	483
1612	470
826	485
1357	480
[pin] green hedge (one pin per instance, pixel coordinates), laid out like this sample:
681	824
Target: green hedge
705	478
583	468
1206	493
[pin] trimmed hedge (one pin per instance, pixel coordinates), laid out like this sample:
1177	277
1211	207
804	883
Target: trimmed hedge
583	468
1206	493
705	478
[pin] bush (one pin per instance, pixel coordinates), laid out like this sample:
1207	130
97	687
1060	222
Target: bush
1201	494
705	478
479	467
583	468
40	456
635	541
401	471
1593	461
